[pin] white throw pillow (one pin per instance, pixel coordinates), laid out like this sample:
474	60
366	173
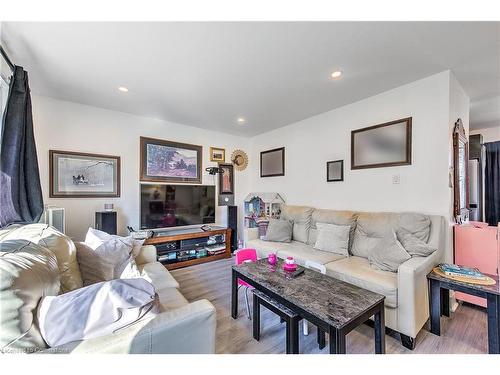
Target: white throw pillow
96	310
333	238
107	257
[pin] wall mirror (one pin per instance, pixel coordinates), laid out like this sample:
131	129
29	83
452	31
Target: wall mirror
460	167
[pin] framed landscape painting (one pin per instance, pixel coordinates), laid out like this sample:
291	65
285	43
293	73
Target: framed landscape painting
167	161
83	175
383	145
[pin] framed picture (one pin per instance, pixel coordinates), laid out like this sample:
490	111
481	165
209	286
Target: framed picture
226	179
383	145
335	170
167	161
82	175
217	154
272	162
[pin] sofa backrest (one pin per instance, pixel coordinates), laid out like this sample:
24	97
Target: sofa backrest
367	228
61	245
28	272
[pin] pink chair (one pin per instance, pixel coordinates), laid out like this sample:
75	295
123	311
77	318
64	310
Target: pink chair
243	256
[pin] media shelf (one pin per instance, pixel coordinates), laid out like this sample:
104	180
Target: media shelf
186	247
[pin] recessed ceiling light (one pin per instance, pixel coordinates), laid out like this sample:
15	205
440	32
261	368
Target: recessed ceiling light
241	120
123	89
337	74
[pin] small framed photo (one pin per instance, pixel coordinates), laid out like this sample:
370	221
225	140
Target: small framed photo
335	170
82	175
226	179
217	154
272	162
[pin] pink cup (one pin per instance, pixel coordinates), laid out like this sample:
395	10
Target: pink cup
271	259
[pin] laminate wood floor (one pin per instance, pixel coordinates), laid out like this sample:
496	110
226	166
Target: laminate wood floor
464	332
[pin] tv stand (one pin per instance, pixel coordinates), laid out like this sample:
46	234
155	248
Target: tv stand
186	247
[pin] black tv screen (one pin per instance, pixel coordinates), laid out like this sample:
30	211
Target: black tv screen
164	206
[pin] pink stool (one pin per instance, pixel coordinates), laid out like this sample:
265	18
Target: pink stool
243	256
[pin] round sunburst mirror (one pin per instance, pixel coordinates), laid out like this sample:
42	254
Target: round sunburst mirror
239	159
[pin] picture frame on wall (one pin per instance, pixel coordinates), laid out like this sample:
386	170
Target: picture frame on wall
335	170
217	155
272	162
83	175
169	161
383	145
226	179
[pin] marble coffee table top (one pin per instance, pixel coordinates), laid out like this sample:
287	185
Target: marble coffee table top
333	301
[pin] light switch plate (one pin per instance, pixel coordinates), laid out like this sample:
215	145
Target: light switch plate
396	179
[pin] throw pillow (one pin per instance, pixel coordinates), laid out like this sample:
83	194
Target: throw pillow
413	245
333	238
279	231
388	255
105	257
96	310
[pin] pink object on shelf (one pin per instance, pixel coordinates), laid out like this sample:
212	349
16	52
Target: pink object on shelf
477	245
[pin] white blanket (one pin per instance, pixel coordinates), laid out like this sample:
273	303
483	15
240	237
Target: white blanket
96	310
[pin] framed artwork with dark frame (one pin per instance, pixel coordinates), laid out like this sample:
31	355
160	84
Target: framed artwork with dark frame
226	179
272	162
83	175
383	145
335	170
168	161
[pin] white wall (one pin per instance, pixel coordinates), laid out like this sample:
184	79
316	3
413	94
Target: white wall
69	126
489	134
309	144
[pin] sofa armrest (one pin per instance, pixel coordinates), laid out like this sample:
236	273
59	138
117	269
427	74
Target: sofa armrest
147	254
413	292
188	329
250	234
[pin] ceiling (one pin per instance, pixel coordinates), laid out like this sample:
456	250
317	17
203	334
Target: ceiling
207	74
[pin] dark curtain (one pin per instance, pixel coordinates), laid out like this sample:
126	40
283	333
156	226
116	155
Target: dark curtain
21	194
492	183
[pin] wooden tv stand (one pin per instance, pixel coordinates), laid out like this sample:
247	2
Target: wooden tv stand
186	247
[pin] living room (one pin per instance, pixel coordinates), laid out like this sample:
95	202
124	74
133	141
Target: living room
250	187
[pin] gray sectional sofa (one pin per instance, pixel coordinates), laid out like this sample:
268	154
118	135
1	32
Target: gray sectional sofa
406	291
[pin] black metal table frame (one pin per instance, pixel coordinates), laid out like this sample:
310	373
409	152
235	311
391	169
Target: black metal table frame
337	335
439	305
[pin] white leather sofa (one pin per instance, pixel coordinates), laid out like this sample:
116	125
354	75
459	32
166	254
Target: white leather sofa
406	292
36	260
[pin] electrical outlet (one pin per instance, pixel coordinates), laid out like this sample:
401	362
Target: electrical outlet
396	179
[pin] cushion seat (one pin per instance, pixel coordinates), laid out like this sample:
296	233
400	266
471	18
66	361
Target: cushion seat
298	250
357	271
157	275
170	299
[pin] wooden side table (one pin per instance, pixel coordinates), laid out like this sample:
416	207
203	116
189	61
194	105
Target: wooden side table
439	297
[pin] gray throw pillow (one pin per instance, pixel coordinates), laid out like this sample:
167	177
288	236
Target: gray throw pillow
388	255
333	238
279	231
413	245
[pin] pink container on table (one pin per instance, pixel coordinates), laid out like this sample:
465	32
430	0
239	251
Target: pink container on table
271	259
290	264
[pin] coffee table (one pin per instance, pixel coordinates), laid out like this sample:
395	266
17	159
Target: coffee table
332	305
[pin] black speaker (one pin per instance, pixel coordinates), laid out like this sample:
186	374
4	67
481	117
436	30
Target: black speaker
106	221
232	223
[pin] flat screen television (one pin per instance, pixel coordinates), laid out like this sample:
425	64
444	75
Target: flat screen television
164	206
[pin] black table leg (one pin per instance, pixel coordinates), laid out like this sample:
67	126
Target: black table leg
256	317
337	341
435	302
321	338
292	335
380	330
493	324
234	295
445	302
